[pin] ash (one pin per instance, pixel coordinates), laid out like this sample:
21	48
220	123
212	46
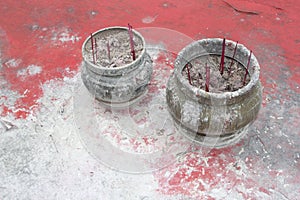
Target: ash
118	53
230	81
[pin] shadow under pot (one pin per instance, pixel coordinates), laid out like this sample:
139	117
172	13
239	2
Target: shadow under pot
110	71
214	103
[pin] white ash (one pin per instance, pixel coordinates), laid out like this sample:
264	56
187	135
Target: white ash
119	53
218	83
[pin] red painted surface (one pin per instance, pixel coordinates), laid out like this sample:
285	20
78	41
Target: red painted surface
34	33
28	32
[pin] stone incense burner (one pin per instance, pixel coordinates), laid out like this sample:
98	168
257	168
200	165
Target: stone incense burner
214	119
109	71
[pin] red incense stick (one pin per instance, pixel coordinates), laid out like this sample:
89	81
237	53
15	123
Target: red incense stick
222	58
131	41
229	70
207	78
188	72
247	68
93	53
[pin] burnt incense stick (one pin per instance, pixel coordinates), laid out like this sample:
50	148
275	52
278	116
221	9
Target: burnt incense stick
222	58
93	53
200	76
207	78
188	72
230	66
244	82
199	79
131	41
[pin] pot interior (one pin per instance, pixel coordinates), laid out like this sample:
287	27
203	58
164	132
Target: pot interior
111	48
213	46
207	68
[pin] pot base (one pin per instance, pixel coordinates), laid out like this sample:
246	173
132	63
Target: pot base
123	104
212	141
215	135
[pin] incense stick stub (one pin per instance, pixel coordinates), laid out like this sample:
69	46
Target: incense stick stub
131	41
93	51
207	69
188	65
234	52
222	58
244	81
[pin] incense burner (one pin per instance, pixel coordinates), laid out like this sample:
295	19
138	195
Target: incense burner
208	118
108	70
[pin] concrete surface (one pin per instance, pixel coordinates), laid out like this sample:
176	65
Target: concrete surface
41	154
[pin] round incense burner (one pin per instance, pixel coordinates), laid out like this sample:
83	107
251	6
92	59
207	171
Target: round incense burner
110	71
214	119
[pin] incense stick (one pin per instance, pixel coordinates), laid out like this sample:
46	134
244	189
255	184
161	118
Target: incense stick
93	53
131	41
229	70
207	78
247	68
188	72
222	58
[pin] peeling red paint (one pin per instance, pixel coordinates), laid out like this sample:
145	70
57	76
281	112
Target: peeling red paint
5	111
210	168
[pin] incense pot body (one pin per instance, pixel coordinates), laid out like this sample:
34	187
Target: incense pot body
119	84
213	119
